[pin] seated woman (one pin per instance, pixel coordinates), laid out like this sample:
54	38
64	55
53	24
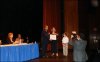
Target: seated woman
19	39
9	38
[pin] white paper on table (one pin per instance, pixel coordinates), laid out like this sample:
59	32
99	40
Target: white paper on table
53	37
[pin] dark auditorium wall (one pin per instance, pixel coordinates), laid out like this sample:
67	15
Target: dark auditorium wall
21	16
83	10
88	16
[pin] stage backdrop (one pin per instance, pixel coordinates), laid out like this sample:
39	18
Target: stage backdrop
71	16
52	14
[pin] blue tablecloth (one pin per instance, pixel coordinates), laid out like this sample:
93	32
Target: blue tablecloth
19	52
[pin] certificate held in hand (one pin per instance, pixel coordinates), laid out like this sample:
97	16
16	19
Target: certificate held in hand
53	37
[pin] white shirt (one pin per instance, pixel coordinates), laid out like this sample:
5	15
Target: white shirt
65	40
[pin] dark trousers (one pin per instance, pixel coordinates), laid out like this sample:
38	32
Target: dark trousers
44	47
54	47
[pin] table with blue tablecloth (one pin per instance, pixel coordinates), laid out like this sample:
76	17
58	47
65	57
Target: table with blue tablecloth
21	52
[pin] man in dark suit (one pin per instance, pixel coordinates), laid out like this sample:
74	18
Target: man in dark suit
9	39
45	40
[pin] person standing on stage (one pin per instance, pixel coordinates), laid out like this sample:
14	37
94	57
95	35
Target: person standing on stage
54	47
65	41
79	45
45	40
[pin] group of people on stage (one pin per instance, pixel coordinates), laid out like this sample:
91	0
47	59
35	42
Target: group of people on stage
45	37
45	40
77	41
10	39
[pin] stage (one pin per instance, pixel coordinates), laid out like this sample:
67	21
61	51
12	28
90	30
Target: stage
61	58
50	58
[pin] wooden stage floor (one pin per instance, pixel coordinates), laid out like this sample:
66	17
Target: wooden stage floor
61	58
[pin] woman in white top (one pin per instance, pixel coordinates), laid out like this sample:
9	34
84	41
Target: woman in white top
19	39
65	41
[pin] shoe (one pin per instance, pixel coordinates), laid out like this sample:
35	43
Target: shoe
57	54
52	54
45	56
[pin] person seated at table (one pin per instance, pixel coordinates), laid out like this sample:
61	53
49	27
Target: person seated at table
27	39
9	38
0	42
19	39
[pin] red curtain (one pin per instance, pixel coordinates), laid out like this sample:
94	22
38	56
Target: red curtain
71	16
52	14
